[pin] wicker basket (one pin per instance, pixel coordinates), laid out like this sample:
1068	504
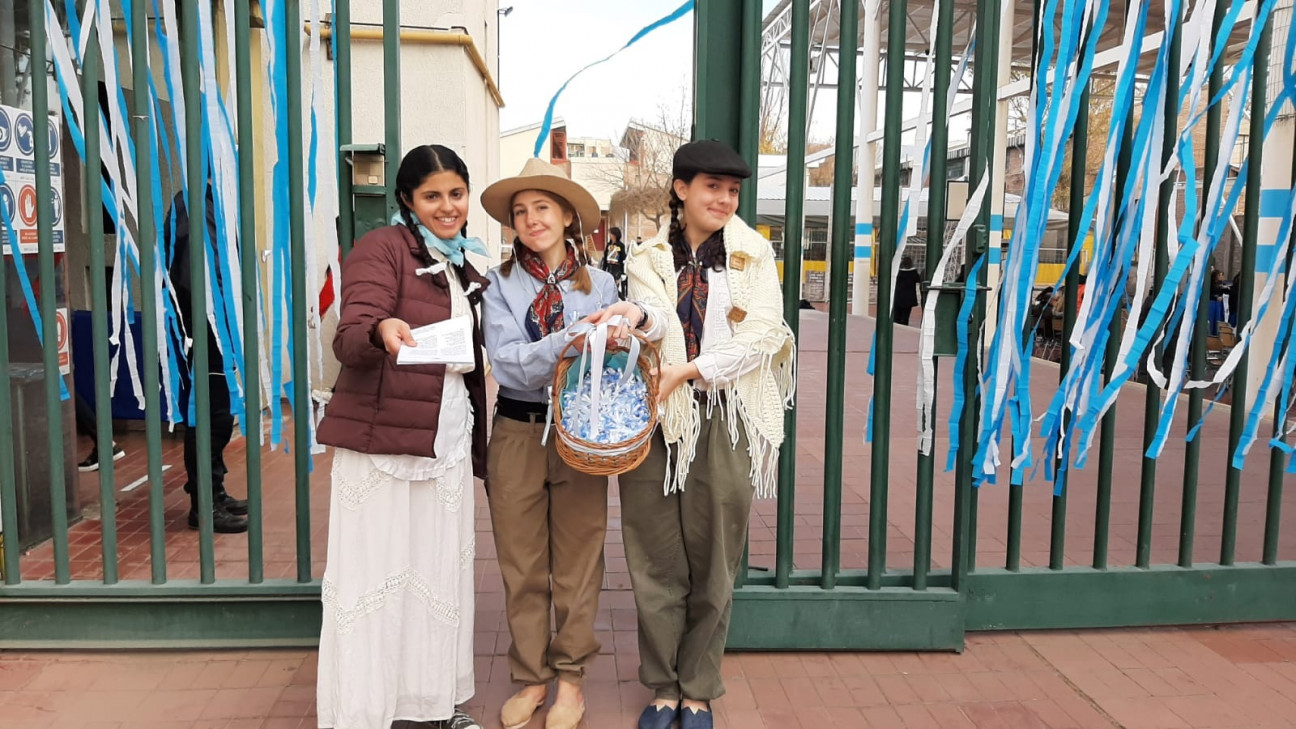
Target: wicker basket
611	459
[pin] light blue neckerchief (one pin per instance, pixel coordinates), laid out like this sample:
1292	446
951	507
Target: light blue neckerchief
452	248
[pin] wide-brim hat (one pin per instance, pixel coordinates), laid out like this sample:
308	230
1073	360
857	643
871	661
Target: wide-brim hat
537	174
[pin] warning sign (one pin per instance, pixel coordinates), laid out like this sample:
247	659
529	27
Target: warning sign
64	336
19	200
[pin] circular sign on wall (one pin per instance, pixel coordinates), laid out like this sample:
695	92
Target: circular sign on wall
53	140
27	205
7	203
6	130
56	205
25	134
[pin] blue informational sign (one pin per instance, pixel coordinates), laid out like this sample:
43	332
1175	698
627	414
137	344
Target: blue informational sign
53	140
6	130
7	203
24	131
56	205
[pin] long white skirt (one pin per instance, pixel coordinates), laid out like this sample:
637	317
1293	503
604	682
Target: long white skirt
397	634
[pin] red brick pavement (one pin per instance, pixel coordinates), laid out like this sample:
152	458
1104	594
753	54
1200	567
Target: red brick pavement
1238	676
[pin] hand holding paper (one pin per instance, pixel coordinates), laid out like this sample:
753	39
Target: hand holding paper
445	342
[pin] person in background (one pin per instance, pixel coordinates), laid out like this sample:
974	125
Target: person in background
85	420
907	291
614	256
229	514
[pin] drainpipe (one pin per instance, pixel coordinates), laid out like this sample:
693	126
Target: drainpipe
426	36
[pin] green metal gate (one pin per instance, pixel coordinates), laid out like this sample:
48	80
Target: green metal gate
929	602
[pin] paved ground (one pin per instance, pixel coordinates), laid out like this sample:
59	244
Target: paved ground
1238	676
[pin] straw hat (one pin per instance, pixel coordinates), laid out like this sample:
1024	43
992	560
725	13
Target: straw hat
537	174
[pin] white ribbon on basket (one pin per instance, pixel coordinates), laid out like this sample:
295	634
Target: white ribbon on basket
593	352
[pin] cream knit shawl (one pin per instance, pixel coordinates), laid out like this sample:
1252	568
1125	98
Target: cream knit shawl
757	322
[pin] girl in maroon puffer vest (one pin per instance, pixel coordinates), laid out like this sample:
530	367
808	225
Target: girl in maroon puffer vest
396	642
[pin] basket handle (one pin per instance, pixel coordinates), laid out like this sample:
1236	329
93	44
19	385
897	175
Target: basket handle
596	337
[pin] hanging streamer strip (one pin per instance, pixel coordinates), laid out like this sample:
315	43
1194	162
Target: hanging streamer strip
1192	261
926	393
279	263
1115	246
1054	119
960	361
157	279
679	12
224	280
1283	359
317	234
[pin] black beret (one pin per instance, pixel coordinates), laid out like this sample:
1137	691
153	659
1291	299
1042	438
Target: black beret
711	157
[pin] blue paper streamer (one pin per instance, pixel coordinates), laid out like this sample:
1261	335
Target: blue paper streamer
680	12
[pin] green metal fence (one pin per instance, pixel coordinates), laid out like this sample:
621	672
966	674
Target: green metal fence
882	605
929	602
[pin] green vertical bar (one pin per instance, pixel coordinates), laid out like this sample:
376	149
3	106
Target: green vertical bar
391	92
749	89
1152	401
889	231
99	309
1057	522
937	210
1079	169
48	293
342	95
718	43
984	93
1250	234
197	210
1192	453
9	537
1107	434
748	146
251	420
1277	460
843	237
798	93
140	121
301	404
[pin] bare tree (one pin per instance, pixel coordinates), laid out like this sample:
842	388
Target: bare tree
1100	120
649	149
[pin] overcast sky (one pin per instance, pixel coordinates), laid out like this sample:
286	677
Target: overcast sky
543	42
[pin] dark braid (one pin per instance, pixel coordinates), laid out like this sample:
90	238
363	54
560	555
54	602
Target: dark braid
506	268
711	254
410	222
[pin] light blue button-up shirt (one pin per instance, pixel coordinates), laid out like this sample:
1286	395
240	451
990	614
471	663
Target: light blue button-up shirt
523	368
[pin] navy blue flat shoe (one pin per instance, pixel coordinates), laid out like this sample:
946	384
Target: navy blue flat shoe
690	719
654	717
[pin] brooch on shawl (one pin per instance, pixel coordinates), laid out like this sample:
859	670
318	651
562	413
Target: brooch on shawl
737	262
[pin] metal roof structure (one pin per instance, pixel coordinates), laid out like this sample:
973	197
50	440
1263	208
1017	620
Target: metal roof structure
826	32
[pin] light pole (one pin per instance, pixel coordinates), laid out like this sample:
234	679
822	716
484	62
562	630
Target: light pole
502	13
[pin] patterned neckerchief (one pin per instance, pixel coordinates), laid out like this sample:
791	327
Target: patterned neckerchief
546	313
692	284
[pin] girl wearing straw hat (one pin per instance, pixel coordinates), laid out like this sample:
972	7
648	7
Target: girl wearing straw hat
396	641
549	520
710	290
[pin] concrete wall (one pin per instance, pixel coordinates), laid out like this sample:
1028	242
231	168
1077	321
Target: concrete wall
444	99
